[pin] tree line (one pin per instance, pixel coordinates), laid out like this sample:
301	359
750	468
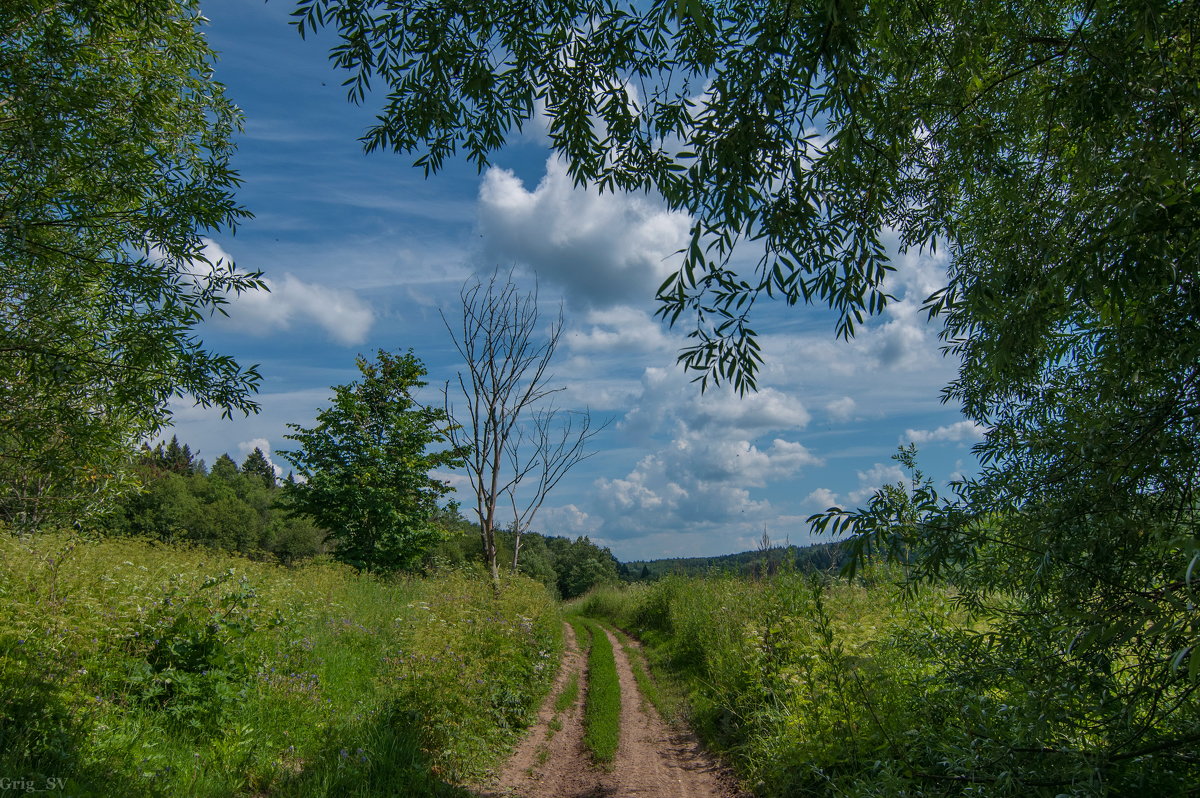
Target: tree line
230	507
757	564
246	508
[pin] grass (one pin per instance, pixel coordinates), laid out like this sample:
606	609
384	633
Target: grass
570	692
602	704
179	671
562	702
665	698
804	683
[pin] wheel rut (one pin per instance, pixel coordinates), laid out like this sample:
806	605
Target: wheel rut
654	759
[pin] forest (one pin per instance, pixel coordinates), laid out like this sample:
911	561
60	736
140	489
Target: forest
345	626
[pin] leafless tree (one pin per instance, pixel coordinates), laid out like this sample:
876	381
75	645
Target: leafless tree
557	443
520	448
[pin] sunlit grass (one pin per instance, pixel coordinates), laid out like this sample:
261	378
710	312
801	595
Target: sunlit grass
177	671
602	703
793	677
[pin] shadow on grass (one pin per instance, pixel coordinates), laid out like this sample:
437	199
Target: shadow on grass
379	757
41	737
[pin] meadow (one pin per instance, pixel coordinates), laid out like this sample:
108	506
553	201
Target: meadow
144	669
808	685
814	685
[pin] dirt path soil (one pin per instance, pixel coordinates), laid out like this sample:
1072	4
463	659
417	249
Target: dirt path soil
654	760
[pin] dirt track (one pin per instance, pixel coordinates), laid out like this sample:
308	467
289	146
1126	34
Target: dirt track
653	759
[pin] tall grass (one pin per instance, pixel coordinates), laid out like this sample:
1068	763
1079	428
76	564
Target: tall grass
142	669
812	687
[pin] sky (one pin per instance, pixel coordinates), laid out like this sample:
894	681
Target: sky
362	253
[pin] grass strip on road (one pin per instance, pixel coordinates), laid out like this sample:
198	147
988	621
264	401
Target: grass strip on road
566	698
668	704
602	705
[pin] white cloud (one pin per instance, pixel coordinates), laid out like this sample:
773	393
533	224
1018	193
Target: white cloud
869	482
721	449
872	480
622	330
821	499
841	409
566	521
958	431
291	302
603	249
667	397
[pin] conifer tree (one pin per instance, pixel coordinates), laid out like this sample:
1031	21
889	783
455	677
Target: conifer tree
224	468
256	465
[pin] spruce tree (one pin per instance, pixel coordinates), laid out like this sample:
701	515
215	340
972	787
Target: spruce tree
258	466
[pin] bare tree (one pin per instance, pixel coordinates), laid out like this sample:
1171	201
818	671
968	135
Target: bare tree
558	442
520	450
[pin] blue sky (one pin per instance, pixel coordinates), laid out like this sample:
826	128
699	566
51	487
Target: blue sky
362	251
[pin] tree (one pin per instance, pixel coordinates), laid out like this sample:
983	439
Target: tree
225	468
1051	148
582	565
257	466
366	464
518	449
115	143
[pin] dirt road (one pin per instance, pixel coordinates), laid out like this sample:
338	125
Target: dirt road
654	760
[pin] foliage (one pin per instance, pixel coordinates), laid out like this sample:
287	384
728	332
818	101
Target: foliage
667	701
256	466
1052	148
817	687
602	700
365	466
568	568
1011	131
115	142
566	698
225	509
814	557
225	468
581	565
501	650
175	671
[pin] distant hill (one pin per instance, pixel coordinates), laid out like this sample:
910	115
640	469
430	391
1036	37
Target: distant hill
817	557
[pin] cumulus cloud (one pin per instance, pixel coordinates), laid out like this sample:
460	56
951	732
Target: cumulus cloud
873	479
617	330
668	397
869	482
821	498
721	449
841	409
291	303
958	431
603	249
566	521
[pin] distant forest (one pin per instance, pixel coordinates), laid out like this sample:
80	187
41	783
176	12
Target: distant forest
752	564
